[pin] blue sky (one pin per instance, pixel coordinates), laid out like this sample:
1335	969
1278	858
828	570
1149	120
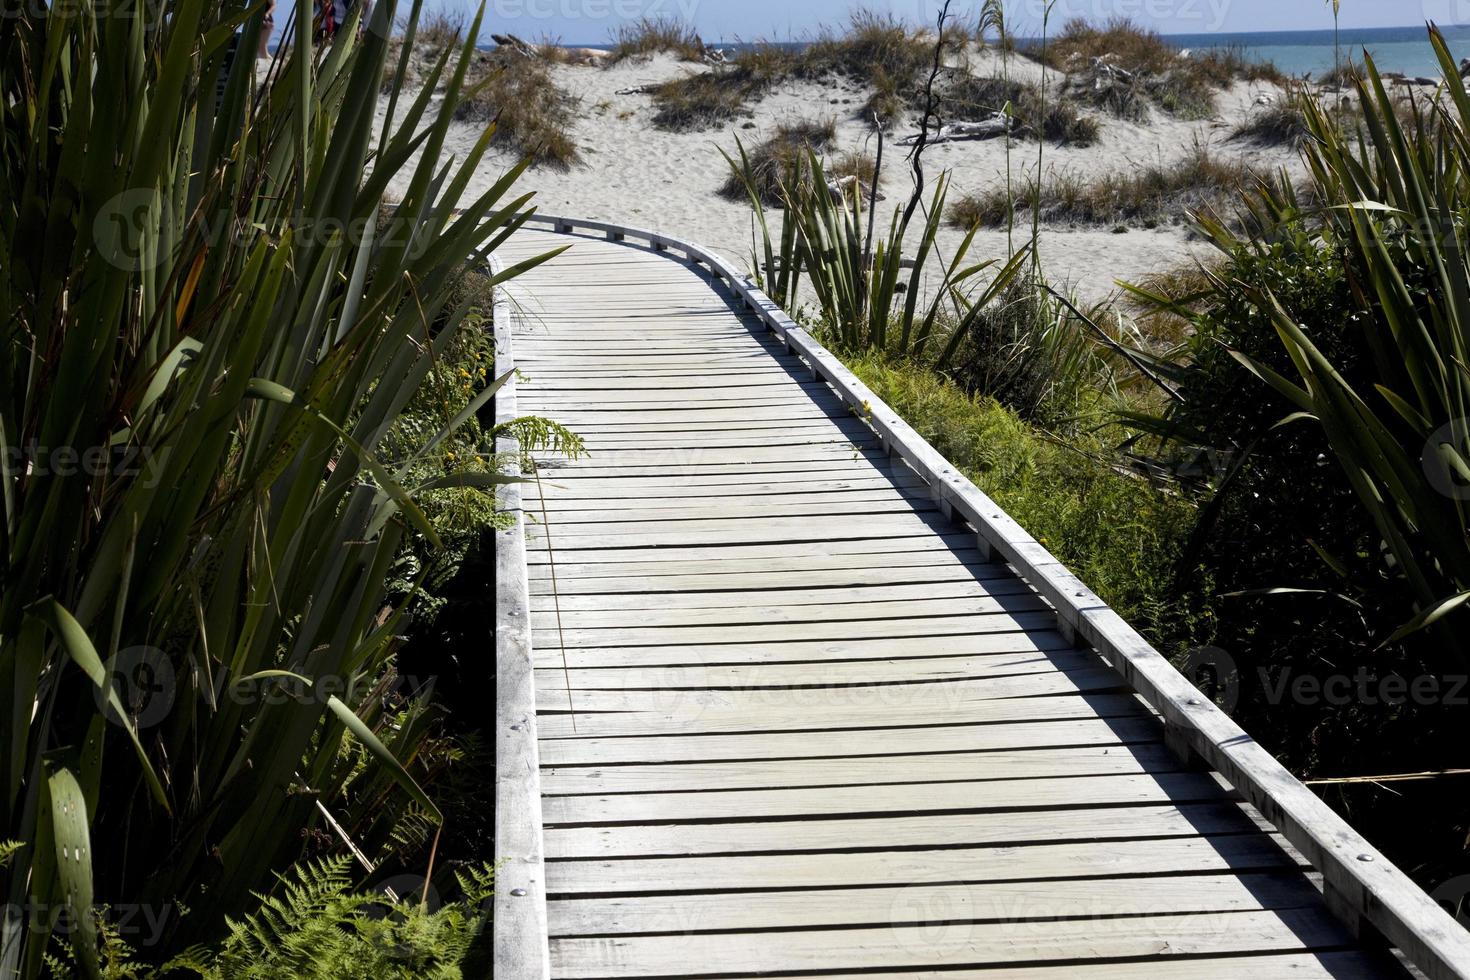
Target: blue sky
593	21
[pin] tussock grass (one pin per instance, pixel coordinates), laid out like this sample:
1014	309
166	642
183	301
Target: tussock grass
697	101
877	51
854	163
881	54
782	160
1283	123
1162	326
1161	76
655	35
1030	353
1150	195
534	115
966	96
1344	75
437	32
550	50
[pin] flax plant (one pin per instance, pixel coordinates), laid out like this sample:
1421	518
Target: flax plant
1389	200
211	322
857	286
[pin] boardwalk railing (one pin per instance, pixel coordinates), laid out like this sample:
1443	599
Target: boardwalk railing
521	944
1363	888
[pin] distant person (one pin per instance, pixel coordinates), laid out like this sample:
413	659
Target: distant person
327	17
267	27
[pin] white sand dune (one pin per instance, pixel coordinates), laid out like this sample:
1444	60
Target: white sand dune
667	182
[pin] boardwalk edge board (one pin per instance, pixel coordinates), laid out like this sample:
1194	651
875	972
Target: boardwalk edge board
522	949
1363	888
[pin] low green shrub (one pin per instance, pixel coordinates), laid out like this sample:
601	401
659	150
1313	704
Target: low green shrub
1030	353
1121	535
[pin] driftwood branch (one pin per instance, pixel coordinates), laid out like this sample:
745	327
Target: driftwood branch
512	43
997	125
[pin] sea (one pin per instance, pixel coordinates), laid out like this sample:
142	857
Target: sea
1298	53
1401	49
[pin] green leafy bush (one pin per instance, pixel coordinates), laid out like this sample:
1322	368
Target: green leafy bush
1119	533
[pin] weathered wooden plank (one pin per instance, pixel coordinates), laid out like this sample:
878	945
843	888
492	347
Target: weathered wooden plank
936	944
552	677
855	568
870	741
841	612
724	510
860	708
1032	862
874	595
902	832
964	625
1038	794
866	771
1025	904
1256	966
938	544
1019	642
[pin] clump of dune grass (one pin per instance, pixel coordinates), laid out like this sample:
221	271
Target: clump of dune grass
1344	75
973	97
1129	70
1162	304
437	31
534	116
552	51
877	51
1282	123
1149	195
655	35
1030	353
697	101
781	161
881	52
854	163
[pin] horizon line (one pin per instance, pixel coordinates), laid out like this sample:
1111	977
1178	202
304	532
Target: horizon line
1034	37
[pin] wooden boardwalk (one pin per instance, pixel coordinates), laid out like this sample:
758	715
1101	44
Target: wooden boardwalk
792	719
